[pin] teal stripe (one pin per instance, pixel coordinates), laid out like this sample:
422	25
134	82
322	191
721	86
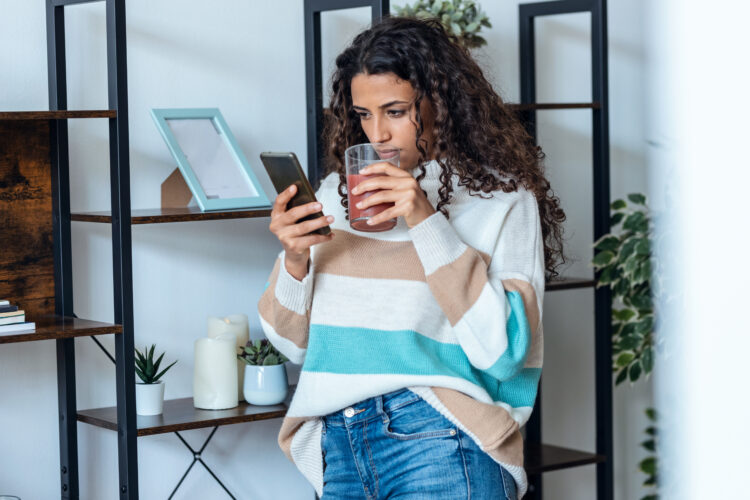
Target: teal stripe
349	350
268	283
519	340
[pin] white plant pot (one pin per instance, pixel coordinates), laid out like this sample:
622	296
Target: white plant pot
149	398
265	385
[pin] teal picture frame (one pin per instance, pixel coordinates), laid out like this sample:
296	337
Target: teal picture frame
220	177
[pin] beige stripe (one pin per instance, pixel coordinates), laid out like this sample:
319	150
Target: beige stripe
457	286
289	427
494	427
348	254
285	322
529	300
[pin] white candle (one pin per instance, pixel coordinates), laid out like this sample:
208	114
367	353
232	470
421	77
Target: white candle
234	324
215	377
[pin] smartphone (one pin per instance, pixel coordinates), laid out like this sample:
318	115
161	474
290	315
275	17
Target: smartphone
284	170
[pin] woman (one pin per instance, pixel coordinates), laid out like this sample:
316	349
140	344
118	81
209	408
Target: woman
421	346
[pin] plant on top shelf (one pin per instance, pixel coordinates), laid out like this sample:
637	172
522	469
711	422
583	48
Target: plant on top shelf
461	18
148	369
261	353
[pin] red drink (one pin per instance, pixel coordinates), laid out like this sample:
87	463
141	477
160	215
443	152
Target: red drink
358	218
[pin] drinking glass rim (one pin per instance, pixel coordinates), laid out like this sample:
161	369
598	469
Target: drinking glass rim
373	144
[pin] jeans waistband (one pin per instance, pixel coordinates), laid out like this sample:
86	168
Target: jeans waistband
371	408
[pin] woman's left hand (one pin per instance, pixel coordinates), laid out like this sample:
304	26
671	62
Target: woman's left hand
399	187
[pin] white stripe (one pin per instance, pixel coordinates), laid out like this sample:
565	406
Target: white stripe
288	348
307	452
293	294
345	390
481	330
436	242
356	302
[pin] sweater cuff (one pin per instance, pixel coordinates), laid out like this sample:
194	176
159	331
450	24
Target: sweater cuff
436	242
293	294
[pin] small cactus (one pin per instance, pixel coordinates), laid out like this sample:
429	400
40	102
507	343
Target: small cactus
148	369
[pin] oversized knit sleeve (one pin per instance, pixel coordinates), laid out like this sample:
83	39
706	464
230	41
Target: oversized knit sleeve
284	310
494	309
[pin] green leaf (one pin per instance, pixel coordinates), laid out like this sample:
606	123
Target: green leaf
651	431
618	205
603	258
271	360
637	198
608	242
650	497
642	302
616	219
472	27
142	376
647	360
628	329
624	359
623	314
649	444
635	371
629	343
648	465
607	275
642	247
621	376
651	414
636	222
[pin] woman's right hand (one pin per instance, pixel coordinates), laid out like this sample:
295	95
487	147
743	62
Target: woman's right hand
294	236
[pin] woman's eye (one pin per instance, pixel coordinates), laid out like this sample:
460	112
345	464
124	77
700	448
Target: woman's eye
396	112
362	115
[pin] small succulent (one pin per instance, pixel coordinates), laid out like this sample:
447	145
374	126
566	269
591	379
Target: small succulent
461	18
261	353
148	369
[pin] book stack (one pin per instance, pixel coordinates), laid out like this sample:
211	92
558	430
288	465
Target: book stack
12	319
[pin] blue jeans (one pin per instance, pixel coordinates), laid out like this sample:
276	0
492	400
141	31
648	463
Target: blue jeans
398	446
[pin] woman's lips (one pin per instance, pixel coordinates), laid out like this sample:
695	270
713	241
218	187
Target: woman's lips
387	153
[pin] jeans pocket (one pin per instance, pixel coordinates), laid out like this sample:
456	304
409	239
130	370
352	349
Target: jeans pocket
417	420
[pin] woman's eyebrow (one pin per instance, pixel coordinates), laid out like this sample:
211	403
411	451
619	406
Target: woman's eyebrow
382	106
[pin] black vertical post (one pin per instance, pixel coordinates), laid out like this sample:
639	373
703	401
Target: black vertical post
314	77
65	348
603	296
119	159
528	96
600	133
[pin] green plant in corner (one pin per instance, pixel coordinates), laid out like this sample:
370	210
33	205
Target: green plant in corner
624	260
462	18
148	369
261	353
625	264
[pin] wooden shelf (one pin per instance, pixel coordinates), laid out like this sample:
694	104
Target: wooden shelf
164	215
541	458
181	415
569	283
59	327
548	106
57	115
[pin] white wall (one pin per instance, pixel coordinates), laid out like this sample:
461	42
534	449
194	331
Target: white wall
248	60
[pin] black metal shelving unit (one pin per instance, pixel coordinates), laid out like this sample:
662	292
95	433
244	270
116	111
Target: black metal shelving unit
602	298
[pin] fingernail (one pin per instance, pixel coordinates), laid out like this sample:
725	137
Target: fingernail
355	190
359	205
329	218
370	222
318	206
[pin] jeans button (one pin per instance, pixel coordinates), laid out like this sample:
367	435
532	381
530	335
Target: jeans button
349	412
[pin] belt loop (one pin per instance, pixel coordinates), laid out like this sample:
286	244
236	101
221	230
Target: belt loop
379	403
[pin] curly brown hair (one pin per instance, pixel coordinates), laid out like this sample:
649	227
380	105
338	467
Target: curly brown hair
477	136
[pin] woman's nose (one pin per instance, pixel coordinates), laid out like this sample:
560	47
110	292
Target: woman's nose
380	132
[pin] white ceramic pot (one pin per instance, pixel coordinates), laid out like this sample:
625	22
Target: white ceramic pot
149	398
265	385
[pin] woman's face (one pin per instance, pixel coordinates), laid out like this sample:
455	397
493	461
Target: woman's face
385	105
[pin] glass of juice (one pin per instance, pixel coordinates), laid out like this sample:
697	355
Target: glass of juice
357	158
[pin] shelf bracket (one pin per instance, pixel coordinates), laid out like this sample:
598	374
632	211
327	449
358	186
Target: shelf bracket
197	458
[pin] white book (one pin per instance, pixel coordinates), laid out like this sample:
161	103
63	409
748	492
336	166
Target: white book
4	302
5	329
15	318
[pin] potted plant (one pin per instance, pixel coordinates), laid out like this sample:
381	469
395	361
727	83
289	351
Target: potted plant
149	394
463	19
265	381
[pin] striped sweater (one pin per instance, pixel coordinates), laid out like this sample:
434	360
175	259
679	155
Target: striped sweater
450	309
